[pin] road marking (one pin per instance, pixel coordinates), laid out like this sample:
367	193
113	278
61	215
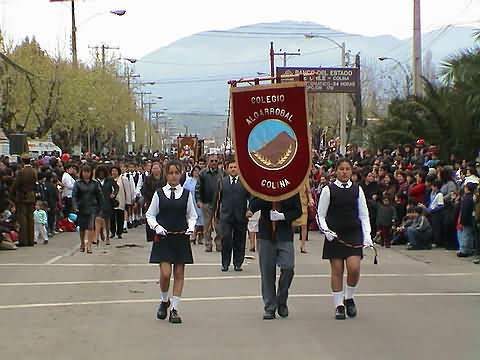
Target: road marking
52	260
206	278
100	265
222	298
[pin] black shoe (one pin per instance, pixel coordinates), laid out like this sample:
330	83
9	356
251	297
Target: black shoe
340	312
268	315
237	268
460	254
283	310
162	310
119	237
129	225
351	308
112	236
224	268
125	231
174	318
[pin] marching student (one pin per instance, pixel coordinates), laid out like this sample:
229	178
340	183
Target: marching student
172	216
343	217
275	248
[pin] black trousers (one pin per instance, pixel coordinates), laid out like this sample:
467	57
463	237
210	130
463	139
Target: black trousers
233	240
116	222
67	206
52	220
149	233
437	228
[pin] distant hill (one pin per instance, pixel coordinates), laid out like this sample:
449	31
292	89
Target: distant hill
192	73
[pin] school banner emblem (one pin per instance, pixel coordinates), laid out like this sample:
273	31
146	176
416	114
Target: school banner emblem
187	147
271	138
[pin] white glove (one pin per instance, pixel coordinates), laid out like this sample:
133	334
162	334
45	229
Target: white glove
330	237
367	242
189	232
276	216
329	234
160	230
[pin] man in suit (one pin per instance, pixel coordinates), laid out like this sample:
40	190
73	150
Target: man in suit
206	195
24	192
233	222
275	247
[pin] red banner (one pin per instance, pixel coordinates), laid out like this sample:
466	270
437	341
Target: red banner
271	138
187	147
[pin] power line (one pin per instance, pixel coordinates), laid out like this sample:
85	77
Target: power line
230	63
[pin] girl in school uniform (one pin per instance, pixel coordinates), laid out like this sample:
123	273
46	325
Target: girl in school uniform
343	217
172	217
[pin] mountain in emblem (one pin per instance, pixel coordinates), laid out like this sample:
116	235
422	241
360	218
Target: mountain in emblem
278	152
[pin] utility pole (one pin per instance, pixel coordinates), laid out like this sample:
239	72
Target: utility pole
104	47
284	54
343	115
417	50
272	62
74	37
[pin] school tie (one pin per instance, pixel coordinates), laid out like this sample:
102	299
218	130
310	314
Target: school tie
344	185
234	180
172	193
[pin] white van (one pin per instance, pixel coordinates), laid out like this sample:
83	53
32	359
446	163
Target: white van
4	144
37	147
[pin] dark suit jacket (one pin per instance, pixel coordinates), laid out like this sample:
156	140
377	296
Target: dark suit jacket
24	186
233	201
291	208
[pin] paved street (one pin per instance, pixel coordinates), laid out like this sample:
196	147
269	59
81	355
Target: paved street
57	303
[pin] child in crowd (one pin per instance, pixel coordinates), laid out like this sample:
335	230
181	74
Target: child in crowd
40	220
386	216
419	233
400	233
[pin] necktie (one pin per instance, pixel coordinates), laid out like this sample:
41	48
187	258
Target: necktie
234	180
172	193
344	185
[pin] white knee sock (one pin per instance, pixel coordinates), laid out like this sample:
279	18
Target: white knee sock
164	296
124	224
175	302
349	291
337	298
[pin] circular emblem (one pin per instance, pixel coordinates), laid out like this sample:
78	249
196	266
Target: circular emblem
272	144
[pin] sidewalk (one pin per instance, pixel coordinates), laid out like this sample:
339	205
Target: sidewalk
62	244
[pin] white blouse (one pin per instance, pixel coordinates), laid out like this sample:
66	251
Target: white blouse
191	215
324	203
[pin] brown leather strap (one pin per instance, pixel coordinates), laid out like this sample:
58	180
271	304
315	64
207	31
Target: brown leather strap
375	259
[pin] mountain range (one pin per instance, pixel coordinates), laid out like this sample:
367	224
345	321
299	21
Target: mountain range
191	74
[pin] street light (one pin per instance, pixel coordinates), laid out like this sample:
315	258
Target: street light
119	12
74	30
407	76
343	118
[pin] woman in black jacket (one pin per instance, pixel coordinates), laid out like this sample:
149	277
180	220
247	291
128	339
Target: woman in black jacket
110	190
87	201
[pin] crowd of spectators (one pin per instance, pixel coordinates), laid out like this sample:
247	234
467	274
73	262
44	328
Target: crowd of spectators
414	198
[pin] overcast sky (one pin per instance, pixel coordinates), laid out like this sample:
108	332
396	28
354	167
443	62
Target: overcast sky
150	24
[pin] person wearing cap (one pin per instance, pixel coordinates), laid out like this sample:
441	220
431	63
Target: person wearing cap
24	195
